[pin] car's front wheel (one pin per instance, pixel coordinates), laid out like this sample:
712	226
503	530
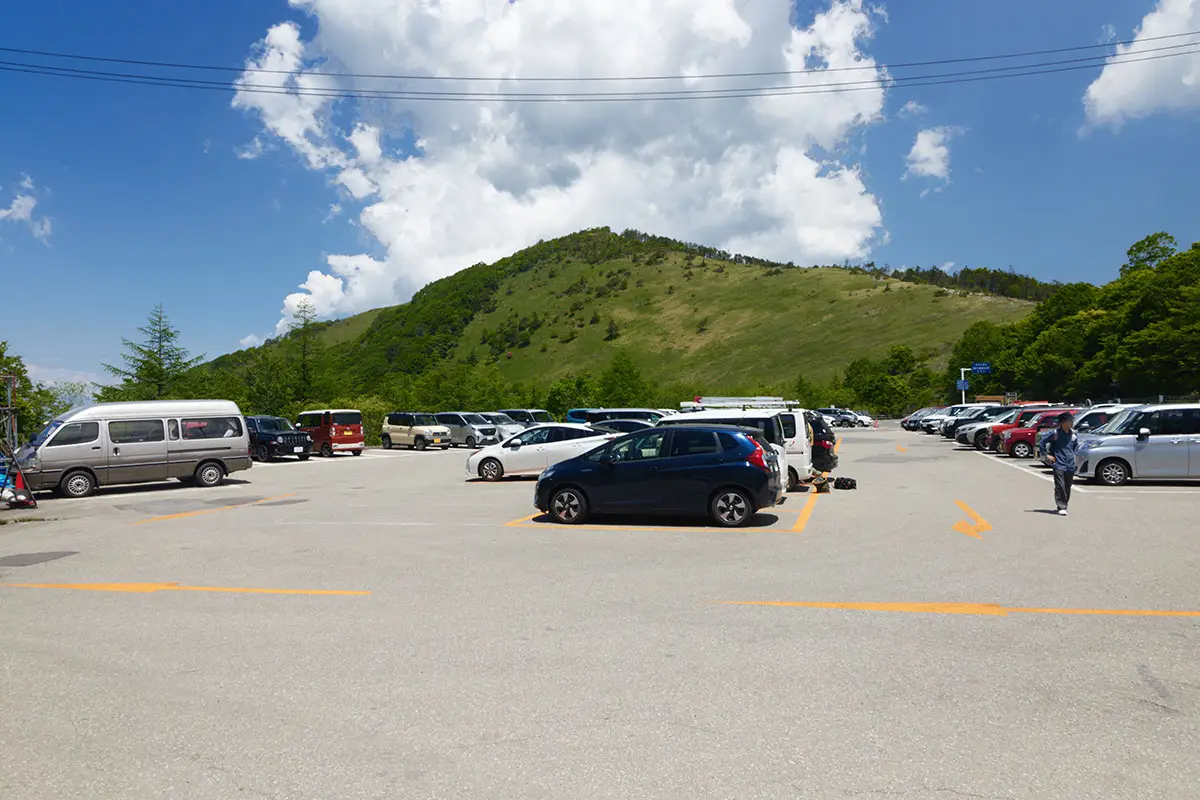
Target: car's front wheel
491	470
420	443
263	453
471	442
981	440
731	508
568	506
1113	472
1022	450
77	484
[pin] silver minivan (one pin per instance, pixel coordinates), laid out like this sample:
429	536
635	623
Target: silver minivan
1158	441
196	441
468	429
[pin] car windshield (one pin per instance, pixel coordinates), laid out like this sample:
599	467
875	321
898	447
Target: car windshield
475	419
1007	417
272	424
542	416
44	434
347	418
424	419
499	419
1121	423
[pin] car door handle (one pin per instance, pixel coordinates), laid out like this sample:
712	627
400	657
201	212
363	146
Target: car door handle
1177	441
116	451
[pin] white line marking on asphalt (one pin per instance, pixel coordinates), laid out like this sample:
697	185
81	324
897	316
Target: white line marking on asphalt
1020	468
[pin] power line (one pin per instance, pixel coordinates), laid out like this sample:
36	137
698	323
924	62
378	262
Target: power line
697	94
494	78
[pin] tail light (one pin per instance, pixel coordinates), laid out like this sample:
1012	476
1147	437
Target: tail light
822	443
759	457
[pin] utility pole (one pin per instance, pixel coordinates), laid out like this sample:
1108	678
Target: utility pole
962	376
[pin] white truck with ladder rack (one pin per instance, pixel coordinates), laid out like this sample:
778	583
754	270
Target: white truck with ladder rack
791	418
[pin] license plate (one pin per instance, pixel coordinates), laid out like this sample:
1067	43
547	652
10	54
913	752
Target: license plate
437	441
297	449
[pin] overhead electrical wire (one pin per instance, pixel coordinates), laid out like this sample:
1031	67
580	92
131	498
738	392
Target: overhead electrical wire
594	78
934	79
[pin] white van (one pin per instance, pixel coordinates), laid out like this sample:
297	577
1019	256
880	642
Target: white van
766	420
196	441
798	463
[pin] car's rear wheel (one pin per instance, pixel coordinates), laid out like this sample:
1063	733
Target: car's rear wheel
356	452
77	484
491	470
793	480
731	508
327	450
1022	450
568	506
387	442
209	474
1113	472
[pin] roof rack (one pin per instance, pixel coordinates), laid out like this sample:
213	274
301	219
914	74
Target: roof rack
701	403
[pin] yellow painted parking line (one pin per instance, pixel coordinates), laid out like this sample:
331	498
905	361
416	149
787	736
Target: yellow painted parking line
202	511
554	526
901	449
979	609
806	512
148	588
963	526
516	522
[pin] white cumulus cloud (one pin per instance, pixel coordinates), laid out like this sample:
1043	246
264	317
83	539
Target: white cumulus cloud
770	176
1134	90
912	109
20	210
250	340
930	154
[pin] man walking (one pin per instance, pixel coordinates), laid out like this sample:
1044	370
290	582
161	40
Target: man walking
1059	448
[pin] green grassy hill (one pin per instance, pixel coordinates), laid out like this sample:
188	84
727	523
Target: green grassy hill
687	314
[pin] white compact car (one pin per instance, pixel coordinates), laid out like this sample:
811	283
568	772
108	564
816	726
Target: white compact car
534	449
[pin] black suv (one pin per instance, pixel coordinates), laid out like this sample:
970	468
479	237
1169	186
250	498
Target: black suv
272	437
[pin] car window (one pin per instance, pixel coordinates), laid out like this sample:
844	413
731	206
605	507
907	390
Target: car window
209	428
347	418
789	425
173	430
1193	421
542	416
135	431
424	419
501	419
76	433
640	446
475	419
535	436
693	443
1174	422
576	433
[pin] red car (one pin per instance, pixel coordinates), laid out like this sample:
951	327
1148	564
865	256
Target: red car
1021	421
334	430
1022	442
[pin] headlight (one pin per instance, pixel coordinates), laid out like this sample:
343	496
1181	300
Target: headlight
1007	434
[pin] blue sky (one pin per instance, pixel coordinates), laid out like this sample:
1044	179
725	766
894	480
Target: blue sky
149	201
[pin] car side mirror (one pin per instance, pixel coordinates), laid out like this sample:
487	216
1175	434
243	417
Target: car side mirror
513	444
1143	434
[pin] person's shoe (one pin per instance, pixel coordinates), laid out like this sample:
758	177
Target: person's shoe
1062	512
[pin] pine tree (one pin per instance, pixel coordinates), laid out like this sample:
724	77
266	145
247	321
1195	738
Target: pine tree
304	332
153	366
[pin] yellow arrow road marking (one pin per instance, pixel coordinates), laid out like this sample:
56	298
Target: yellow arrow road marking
962	526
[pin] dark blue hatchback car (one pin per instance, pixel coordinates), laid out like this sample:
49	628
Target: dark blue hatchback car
723	471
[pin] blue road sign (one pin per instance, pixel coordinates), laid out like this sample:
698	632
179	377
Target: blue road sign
962	386
982	368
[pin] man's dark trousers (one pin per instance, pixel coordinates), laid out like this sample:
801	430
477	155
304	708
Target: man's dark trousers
1062	488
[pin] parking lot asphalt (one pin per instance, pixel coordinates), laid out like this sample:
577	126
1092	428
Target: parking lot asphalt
377	627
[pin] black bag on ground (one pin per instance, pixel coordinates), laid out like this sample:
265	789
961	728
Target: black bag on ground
845	483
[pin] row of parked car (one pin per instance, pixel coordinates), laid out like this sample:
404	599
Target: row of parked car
727	457
1118	442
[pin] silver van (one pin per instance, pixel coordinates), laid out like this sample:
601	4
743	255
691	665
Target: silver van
196	441
469	429
1158	441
